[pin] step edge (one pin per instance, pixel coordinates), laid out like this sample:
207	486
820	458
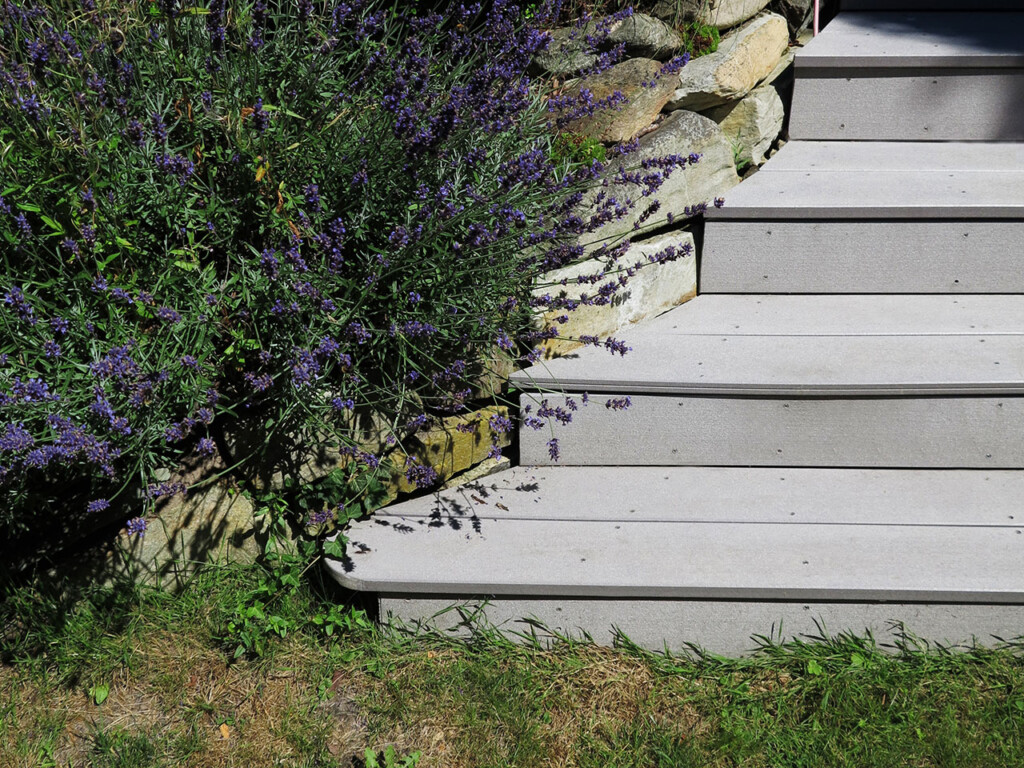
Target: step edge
822	594
836	66
867	214
540	385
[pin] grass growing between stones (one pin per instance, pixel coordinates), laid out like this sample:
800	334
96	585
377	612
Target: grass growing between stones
143	678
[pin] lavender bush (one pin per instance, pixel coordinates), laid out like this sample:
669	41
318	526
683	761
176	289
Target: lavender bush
286	210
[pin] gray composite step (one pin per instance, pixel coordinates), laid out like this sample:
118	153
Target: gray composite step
931	5
918	345
745	533
881	181
878	217
771	380
675	536
912	76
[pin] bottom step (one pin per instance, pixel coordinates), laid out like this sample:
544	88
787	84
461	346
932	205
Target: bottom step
725	628
708	555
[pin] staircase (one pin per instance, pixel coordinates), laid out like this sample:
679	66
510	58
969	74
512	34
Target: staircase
832	433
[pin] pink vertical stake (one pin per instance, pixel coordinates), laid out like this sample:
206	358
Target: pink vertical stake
817	8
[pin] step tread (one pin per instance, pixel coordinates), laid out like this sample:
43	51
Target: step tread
849	315
865	156
729	495
834	346
912	180
902	39
695	558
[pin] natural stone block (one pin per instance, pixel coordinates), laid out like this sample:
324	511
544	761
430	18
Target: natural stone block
454	445
752	123
646	37
653	289
681	133
634	79
726	14
743	59
216	523
485	468
722	14
212	525
566	55
643	36
796	12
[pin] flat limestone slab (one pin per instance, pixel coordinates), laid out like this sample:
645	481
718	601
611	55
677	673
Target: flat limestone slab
717	430
896	39
847	256
728	628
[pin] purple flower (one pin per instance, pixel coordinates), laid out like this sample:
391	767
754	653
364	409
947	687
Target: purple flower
136	527
421	475
164	489
31	107
312	193
159	129
206	447
176	165
260	119
269	263
168	315
553	451
500	424
24	228
325	515
15	298
97	505
16	438
33	390
51	348
136	132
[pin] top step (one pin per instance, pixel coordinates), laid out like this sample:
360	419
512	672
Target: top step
907	76
906	39
931	5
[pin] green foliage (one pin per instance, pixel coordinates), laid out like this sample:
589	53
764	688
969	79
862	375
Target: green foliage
700	38
831	700
572	148
308	217
390	759
266	610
